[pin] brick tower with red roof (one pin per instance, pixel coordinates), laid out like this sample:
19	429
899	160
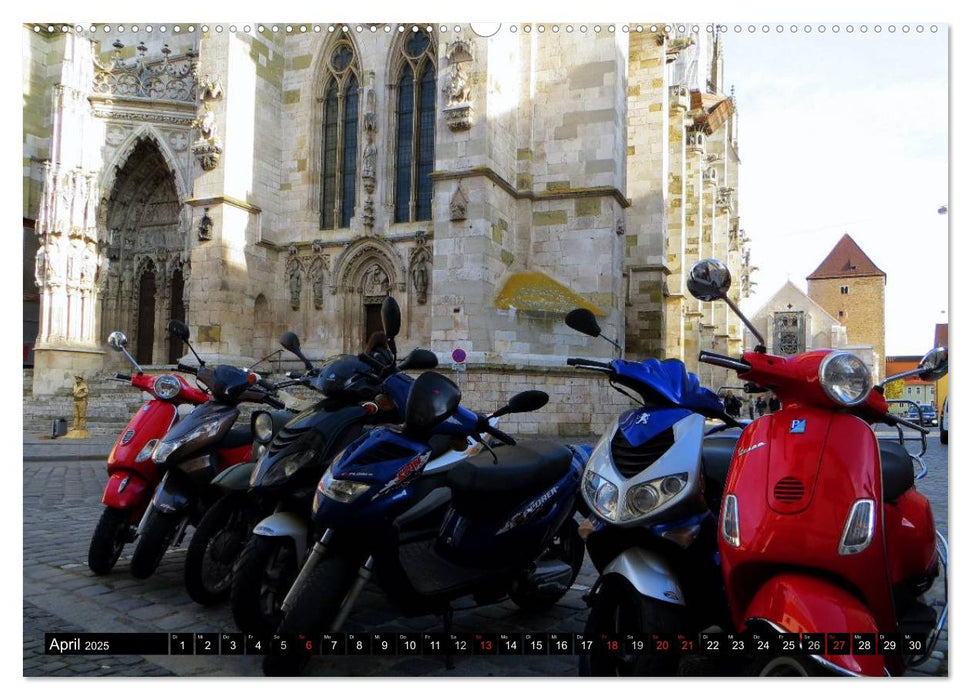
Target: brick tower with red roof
853	290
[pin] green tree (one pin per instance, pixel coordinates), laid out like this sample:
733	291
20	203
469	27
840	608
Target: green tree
894	390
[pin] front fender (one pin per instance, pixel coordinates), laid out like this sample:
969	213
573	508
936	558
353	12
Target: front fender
283	524
794	602
125	490
173	493
647	572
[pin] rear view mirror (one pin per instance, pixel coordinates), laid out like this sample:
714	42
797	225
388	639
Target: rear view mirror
431	400
933	365
419	359
291	342
709	280
390	317
584	321
524	402
117	341
179	330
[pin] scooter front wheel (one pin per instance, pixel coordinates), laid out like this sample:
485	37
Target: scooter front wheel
314	608
109	538
216	544
617	609
154	540
263	575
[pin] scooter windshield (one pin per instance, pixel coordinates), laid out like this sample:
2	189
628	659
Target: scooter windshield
667	382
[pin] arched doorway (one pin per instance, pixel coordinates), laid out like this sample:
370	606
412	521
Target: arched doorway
145	333
176	313
144	218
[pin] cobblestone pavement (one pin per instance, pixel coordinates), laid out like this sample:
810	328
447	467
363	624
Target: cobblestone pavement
61	501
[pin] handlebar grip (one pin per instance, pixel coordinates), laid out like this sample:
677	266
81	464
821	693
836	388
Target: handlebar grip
368	360
265	384
575	361
711	358
901	421
186	368
124	377
496	433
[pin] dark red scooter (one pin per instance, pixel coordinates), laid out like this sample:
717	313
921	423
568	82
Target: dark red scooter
132	474
821	528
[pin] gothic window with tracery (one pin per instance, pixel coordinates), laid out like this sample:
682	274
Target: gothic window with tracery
415	131
338	168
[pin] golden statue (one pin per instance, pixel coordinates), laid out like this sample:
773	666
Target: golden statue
80	392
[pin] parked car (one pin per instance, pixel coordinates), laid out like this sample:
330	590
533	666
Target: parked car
926	416
944	423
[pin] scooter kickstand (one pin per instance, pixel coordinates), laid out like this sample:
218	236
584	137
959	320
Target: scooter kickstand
447	625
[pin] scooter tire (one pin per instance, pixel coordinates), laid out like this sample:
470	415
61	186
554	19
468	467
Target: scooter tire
109	538
226	518
264	573
152	543
569	549
315	606
618	608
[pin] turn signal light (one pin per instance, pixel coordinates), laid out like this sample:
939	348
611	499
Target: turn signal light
858	531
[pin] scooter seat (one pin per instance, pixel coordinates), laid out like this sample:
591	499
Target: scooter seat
897	468
522	469
237	436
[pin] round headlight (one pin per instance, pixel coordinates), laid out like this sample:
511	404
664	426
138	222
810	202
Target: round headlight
167	386
262	426
642	499
845	378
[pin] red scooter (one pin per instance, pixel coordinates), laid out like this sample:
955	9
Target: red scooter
821	529
132	474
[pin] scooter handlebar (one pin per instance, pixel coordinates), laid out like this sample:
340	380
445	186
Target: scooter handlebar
711	358
897	420
588	364
187	369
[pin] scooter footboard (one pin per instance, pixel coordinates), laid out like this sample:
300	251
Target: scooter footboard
126	490
807	604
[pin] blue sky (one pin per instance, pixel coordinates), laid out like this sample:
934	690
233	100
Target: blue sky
846	132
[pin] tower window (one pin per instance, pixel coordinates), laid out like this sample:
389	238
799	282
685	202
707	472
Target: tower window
844	290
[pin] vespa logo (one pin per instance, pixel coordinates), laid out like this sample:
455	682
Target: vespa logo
749	449
798	426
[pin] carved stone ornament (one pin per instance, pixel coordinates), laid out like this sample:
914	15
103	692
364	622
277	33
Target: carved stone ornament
205	226
376	282
207	153
292	250
459	205
164	78
620	227
367	214
317	245
457	85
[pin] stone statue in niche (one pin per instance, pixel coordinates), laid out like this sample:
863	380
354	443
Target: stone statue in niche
89	268
419	274
456	86
296	284
317	282
42	267
367	169
376	282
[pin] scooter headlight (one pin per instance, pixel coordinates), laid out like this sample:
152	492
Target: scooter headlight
600	493
341	490
643	498
262	426
165	448
167	386
845	378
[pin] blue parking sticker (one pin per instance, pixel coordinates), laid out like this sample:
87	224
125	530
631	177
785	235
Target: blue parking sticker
798	426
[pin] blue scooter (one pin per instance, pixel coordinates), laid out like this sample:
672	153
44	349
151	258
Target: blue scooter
496	525
654	484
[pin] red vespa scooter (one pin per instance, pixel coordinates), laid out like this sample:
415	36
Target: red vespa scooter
132	474
821	529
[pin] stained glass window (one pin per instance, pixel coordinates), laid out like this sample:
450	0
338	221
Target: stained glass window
338	167
415	133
